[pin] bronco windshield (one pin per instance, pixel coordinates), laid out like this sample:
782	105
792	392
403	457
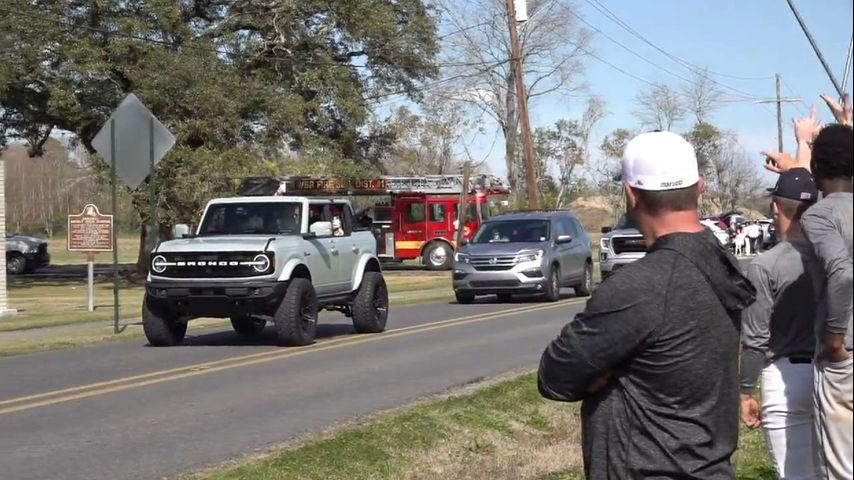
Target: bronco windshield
513	231
265	218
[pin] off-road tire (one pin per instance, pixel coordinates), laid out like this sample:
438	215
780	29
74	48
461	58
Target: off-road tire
296	318
552	293
16	264
433	261
247	325
370	307
585	288
162	328
464	298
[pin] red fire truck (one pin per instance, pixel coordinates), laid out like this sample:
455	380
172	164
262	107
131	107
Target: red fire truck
424	210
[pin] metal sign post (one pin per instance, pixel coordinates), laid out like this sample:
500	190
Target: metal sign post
114	200
132	158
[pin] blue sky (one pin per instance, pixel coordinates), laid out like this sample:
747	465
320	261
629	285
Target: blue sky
747	38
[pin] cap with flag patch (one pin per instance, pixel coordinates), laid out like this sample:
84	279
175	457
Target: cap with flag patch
796	184
659	161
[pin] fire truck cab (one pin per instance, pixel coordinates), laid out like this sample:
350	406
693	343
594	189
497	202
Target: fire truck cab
425	226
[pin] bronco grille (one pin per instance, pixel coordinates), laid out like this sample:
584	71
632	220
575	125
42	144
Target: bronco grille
628	245
212	265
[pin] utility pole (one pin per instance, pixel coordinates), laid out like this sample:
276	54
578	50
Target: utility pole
522	99
463	208
833	80
779	115
779	100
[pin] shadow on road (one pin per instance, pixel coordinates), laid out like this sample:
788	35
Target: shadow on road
515	299
267	338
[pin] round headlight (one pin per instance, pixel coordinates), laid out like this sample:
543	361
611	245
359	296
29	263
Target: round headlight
261	263
158	264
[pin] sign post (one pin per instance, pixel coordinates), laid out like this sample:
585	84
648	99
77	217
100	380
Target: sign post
90	232
132	158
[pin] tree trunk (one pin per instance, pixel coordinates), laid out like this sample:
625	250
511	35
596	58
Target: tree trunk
142	259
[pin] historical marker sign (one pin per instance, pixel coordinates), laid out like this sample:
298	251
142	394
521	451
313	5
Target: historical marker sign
90	231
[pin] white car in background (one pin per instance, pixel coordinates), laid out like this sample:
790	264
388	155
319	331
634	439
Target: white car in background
721	234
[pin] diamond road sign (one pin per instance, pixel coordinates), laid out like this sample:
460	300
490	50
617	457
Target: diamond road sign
132	121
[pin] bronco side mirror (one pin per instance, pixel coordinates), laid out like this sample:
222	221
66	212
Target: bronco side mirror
607	229
181	230
321	229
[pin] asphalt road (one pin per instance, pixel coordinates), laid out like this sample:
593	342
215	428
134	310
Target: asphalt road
128	411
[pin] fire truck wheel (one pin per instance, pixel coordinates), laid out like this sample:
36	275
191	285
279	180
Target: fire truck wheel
296	318
370	308
438	255
161	328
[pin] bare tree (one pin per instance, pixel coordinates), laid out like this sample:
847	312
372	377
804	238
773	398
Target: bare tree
731	176
659	107
429	142
552	48
702	96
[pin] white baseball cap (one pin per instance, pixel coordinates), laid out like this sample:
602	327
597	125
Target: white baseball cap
659	161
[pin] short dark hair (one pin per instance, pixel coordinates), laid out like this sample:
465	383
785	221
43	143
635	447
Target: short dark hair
833	153
677	200
791	208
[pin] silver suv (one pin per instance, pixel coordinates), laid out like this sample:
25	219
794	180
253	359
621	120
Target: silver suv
523	253
620	246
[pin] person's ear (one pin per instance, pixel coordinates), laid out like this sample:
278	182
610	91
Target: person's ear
631	196
701	186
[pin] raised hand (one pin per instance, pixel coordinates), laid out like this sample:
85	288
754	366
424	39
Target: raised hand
841	112
807	128
779	162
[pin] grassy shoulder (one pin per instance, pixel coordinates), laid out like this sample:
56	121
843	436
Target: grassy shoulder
499	431
128	248
62	304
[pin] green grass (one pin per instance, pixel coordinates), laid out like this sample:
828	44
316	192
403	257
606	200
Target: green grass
476	427
47	303
59	255
504	430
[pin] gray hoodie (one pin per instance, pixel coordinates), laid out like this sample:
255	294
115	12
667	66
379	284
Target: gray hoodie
666	330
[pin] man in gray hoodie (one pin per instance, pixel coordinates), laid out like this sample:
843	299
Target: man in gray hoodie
654	355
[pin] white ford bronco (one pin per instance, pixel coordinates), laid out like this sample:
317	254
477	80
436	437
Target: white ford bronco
276	259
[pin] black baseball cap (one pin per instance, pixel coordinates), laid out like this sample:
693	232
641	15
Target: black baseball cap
796	184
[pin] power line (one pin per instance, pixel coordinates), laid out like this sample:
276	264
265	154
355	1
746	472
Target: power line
791	91
633	52
684	63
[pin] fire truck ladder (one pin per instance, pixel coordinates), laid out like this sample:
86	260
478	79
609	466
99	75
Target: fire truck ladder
439	184
384	185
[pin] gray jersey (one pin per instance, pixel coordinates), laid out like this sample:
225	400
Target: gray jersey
789	281
828	225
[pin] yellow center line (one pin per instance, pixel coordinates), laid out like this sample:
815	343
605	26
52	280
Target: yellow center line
121	384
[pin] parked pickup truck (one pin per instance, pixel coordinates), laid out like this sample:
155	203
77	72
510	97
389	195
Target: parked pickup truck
25	254
266	259
620	246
